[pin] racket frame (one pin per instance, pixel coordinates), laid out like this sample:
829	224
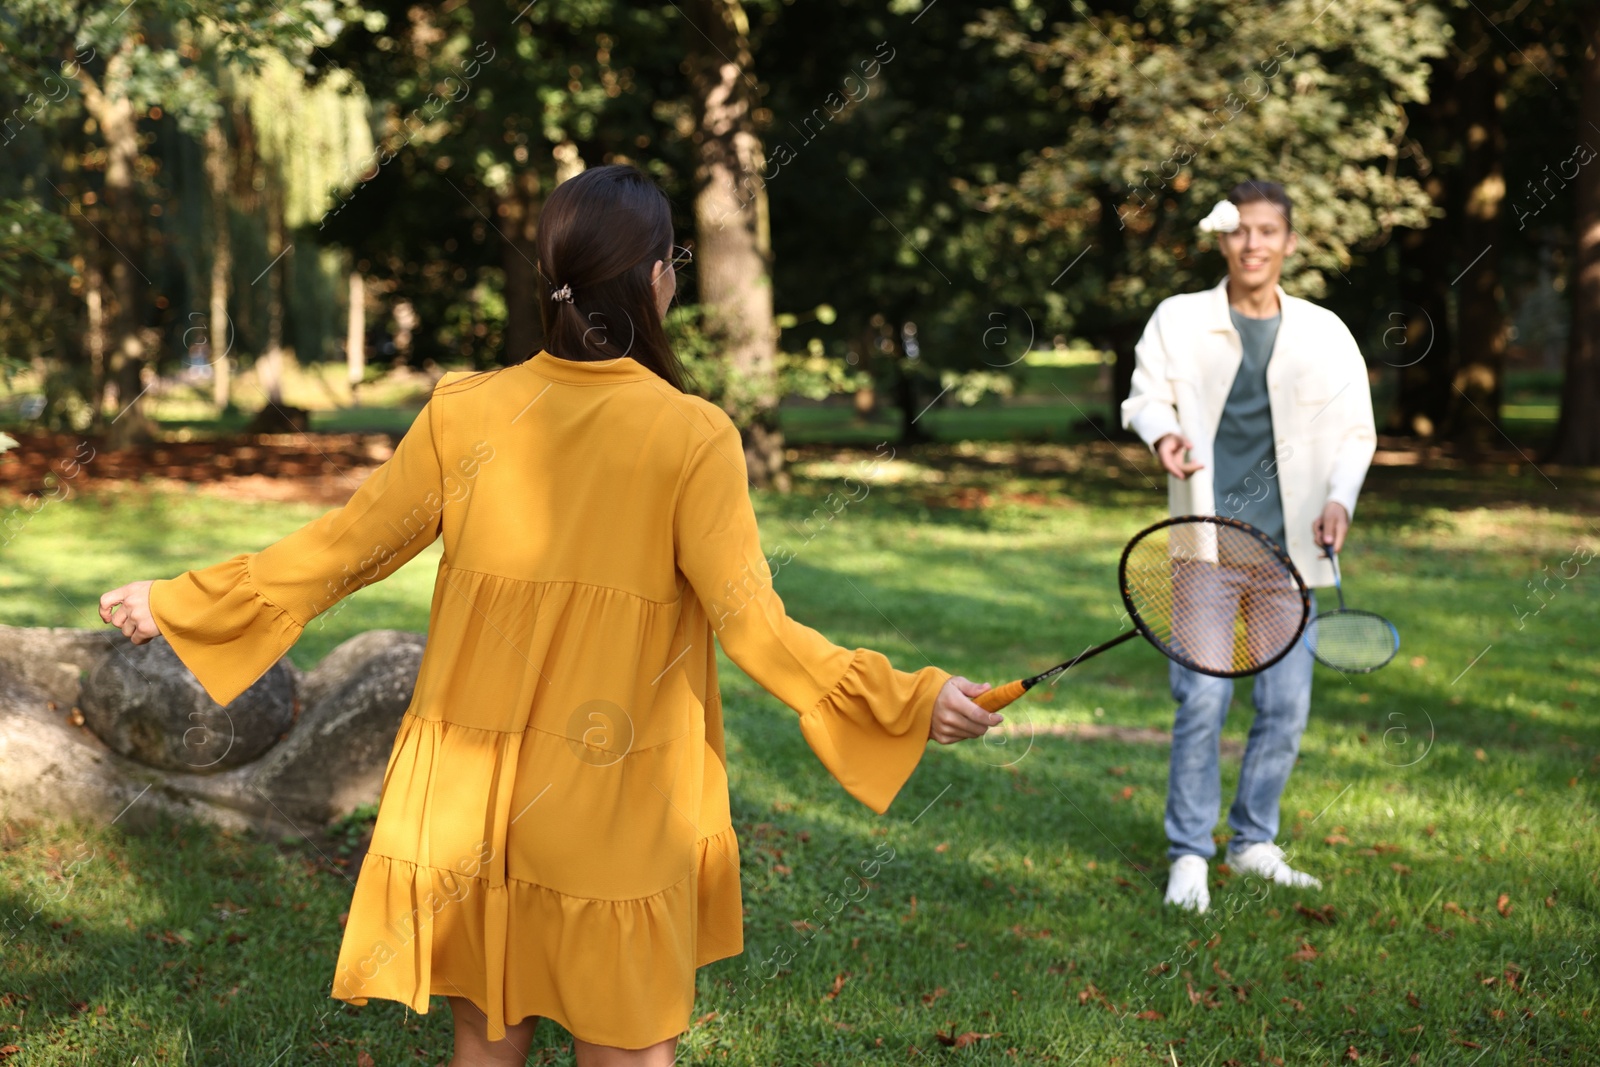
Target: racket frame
999	697
1338	585
1215	520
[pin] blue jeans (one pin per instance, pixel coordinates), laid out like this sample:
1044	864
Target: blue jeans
1282	698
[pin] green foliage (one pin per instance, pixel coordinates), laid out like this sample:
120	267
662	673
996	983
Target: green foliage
1170	112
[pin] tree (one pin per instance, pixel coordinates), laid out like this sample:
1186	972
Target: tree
486	106
1165	112
1578	432
129	66
732	230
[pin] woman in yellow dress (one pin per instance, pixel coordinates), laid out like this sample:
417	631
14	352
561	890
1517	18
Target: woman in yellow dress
553	835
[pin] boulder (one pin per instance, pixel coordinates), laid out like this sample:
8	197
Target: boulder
143	702
331	758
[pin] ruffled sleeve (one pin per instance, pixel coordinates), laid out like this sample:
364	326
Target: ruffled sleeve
233	620
867	722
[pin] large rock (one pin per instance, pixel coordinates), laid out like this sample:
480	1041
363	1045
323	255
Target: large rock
351	706
143	702
331	761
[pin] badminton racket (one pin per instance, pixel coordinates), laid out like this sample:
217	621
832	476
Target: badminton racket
1348	640
1212	593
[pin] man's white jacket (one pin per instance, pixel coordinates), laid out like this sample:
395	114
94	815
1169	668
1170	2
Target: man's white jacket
1320	400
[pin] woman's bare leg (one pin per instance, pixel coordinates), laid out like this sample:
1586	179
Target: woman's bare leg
473	1047
661	1054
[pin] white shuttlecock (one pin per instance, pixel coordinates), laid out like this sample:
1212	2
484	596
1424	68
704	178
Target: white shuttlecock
1224	218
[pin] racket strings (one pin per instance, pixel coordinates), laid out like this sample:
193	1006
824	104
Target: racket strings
1354	641
1214	597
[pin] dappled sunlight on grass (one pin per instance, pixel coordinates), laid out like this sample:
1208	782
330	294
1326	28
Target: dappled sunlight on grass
1447	801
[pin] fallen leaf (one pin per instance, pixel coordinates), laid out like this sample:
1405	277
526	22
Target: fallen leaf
1400	869
838	984
1503	905
1351	1053
1305	953
929	998
364	1060
1324	915
960	1040
1336	839
1149	1013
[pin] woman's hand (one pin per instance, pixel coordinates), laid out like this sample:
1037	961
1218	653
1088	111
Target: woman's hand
136	622
956	717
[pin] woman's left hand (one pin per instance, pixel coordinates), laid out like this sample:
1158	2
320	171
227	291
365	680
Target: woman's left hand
136	622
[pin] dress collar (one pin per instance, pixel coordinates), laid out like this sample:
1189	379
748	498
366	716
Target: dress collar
589	372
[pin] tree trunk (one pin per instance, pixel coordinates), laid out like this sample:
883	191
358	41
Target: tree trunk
906	399
112	110
219	330
1482	325
94	337
519	254
355	336
1577	438
735	255
1417	337
269	367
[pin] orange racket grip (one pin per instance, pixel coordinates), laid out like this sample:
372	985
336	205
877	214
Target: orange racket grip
999	697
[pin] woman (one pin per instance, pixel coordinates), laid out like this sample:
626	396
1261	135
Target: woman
553	834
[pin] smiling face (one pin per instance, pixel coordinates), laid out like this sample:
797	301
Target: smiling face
1256	250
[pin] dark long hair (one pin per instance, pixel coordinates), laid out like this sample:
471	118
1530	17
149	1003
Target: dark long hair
600	232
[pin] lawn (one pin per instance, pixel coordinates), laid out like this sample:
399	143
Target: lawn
1448	802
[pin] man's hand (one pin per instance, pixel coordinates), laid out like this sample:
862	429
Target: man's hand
134	599
1330	527
1170	450
956	717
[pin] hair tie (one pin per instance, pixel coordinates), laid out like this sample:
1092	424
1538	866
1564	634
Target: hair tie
563	293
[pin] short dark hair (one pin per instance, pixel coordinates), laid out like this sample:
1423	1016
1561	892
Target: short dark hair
1250	191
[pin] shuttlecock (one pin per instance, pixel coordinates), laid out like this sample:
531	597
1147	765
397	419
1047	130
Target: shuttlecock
1224	218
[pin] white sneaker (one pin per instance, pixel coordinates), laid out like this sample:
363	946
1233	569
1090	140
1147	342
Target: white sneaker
1265	860
1186	883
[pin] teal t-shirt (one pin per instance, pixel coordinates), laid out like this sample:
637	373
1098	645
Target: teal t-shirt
1245	470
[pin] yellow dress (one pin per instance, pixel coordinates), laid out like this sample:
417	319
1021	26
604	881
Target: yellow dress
553	835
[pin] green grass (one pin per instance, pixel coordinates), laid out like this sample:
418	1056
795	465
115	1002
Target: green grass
1024	897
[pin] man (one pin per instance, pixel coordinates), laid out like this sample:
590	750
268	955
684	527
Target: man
1258	406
